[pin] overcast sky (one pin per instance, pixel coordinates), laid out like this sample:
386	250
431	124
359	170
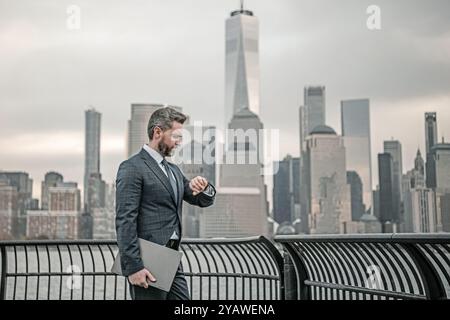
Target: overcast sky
172	51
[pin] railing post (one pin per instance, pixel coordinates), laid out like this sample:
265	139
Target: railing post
278	260
3	274
290	278
303	292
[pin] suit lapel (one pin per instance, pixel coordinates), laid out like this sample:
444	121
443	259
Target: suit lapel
151	163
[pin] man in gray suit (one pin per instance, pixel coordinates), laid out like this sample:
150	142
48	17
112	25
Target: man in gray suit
149	194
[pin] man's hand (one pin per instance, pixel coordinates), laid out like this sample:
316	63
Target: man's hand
197	185
140	278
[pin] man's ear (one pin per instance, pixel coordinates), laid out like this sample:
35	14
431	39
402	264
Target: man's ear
157	131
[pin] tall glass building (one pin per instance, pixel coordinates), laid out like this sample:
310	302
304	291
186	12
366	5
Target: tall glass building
92	148
430	141
241	63
355	121
394	148
312	113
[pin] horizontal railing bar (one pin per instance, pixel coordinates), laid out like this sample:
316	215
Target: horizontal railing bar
54	242
391	238
51	274
343	287
200	274
235	275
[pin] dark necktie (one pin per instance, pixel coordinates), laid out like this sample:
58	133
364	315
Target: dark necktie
171	177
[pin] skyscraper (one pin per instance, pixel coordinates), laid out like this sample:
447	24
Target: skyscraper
9	209
423	208
137	125
241	63
92	149
51	180
444	208
96	192
61	219
440	154
312	113
286	190
430	141
355	121
329	193
418	201
241	204
394	148
356	195
24	186
386	194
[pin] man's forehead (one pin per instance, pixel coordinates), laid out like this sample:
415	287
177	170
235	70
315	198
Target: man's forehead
176	126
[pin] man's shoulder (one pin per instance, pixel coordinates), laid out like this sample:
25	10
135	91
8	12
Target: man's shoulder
134	161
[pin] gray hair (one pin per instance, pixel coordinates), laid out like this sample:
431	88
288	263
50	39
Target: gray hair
164	118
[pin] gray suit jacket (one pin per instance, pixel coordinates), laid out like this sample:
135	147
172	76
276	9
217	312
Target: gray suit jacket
146	208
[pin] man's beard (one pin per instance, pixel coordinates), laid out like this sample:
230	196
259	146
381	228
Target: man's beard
164	149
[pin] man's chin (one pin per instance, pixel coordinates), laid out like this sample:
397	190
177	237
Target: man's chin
169	153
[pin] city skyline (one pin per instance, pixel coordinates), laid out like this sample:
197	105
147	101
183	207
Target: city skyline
30	138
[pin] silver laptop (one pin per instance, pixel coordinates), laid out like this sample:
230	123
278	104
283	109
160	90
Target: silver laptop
162	262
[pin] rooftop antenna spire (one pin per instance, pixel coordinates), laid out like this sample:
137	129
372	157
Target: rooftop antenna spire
242	5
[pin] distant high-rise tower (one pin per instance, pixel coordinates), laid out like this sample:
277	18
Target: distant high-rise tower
61	220
394	148
386	195
92	148
286	190
312	113
24	186
430	141
419	164
241	204
355	120
51	180
328	191
242	63
137	125
356	195
419	205
9	211
441	157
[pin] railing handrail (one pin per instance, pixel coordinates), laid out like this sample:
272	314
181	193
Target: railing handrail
113	241
372	237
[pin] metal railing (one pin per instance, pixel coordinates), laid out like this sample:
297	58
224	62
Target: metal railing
247	268
370	267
